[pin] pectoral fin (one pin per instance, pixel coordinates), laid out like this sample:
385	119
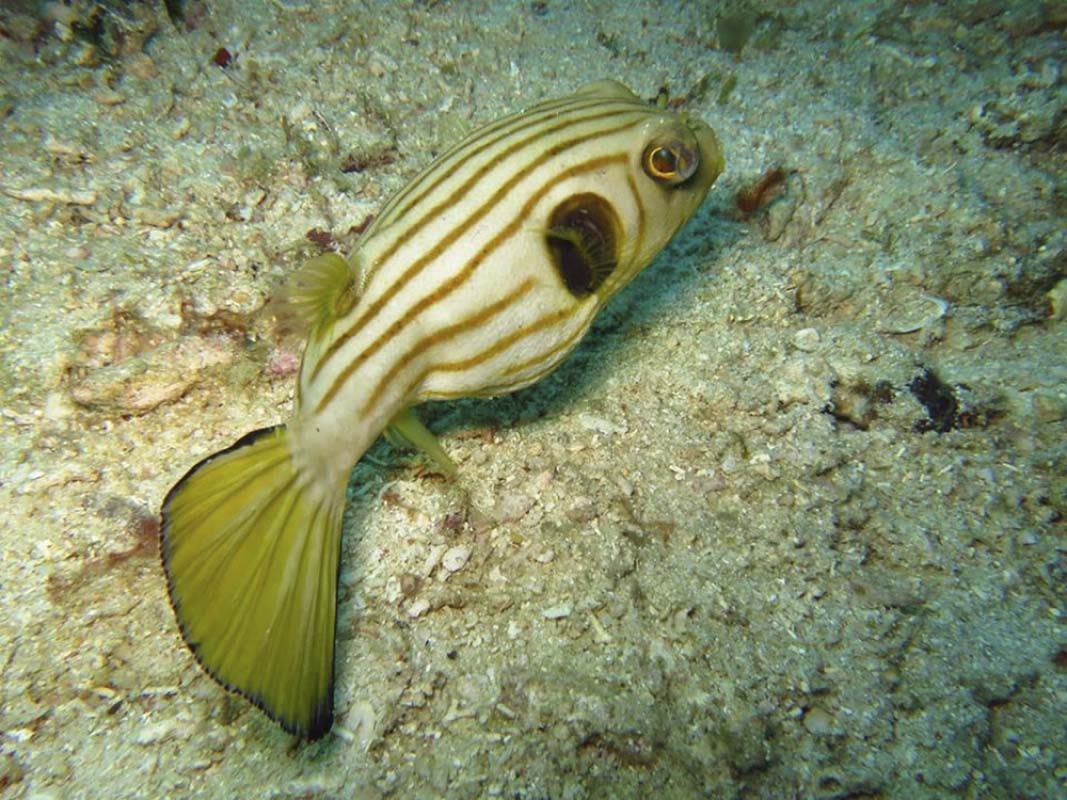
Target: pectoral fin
322	290
406	429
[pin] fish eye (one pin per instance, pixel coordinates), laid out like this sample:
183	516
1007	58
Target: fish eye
670	163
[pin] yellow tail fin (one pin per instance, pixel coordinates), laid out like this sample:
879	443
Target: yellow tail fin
250	547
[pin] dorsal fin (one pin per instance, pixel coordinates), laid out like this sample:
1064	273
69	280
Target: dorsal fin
322	290
608	89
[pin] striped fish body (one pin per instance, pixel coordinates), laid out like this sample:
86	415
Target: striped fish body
461	293
476	279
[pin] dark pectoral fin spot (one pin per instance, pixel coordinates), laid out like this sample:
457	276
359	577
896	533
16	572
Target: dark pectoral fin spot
582	238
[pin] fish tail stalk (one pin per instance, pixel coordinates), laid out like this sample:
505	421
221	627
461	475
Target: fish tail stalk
250	544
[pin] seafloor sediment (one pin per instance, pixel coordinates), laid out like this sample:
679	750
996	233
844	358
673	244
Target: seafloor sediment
789	523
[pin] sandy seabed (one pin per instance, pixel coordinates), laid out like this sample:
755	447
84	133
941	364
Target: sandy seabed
789	523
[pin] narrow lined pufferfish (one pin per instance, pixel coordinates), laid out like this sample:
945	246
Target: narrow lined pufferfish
477	278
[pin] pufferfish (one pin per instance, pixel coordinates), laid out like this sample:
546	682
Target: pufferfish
476	279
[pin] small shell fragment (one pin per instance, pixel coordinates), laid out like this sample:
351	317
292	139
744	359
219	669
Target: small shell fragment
77	197
455	558
544	556
598	424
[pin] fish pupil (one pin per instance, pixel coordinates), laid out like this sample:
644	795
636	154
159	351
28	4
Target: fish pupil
582	240
672	163
664	161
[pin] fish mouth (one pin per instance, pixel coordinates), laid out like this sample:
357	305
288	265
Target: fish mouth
712	161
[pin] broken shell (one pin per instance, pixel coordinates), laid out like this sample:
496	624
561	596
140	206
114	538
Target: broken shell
913	314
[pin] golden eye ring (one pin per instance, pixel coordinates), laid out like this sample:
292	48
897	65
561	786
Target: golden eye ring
670	163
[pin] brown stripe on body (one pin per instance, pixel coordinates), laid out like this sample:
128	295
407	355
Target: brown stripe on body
491	134
390	208
453	198
457	366
549	356
443	335
544	323
468	187
459	278
622	275
486	138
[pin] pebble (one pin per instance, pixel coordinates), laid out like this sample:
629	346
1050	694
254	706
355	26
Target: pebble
78	253
361	722
433	558
513	506
582	510
1050	406
392	592
57	407
380	64
155	217
1057	300
806	339
181	128
600	633
109	97
780	213
77	197
558	611
819	721
69	152
141	383
156	732
418	608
